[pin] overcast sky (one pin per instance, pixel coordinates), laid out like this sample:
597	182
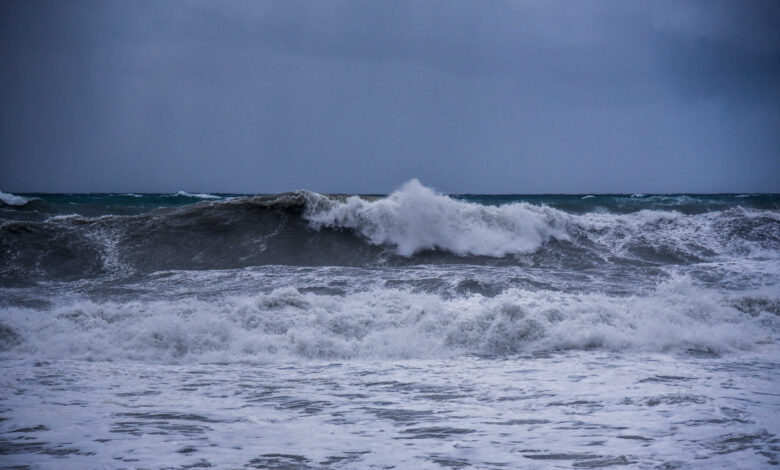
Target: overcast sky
360	96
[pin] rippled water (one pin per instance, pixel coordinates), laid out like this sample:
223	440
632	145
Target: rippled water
579	409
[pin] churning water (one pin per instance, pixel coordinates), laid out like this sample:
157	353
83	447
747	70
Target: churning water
414	330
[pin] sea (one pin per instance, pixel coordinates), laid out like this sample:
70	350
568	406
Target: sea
415	330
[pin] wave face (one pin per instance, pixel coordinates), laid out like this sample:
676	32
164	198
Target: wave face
122	235
415	274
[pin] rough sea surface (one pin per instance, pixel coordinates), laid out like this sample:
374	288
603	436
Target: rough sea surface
414	330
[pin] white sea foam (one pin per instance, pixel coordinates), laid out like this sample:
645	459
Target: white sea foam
416	218
12	199
196	195
387	323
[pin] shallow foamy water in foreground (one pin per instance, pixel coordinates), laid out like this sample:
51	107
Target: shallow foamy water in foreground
580	409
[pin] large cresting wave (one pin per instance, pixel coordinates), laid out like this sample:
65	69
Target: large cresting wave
415	274
415	219
414	225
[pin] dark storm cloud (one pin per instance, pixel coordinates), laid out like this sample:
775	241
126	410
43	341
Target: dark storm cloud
360	96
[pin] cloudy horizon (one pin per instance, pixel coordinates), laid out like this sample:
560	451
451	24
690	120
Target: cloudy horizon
359	97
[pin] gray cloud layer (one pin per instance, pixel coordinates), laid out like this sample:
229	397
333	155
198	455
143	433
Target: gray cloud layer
351	96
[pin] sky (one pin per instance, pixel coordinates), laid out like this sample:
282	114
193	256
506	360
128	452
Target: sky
361	96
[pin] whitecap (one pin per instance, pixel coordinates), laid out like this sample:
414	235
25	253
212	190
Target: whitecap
416	218
196	195
13	199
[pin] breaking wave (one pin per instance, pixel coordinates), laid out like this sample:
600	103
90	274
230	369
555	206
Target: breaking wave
415	219
287	324
12	199
414	225
195	195
415	274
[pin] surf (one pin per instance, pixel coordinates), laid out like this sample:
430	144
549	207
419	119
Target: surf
413	225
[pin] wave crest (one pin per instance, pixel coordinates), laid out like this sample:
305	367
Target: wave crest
12	199
416	218
414	225
195	195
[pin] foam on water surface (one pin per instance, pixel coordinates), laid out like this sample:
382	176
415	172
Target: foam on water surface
570	410
390	323
414	330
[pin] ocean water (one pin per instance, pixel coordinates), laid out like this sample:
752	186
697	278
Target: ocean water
410	330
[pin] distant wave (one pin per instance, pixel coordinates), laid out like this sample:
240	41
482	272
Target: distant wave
12	199
196	195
